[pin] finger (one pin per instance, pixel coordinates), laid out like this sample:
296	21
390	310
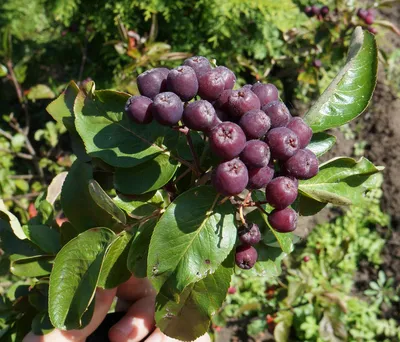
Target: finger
135	288
104	299
122	305
136	324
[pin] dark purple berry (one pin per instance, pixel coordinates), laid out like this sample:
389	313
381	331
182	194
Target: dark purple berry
369	19
266	92
306	258
164	71
247	86
315	10
183	82
278	113
222	101
211	85
249	234
199	64
227	75
362	13
260	177
167	108
324	10
199	115
302	130
227	140
152	82
222	115
303	165
138	108
255	124
241	101
281	192
246	256
255	154
283	221
282	142
230	178
317	63
373	30
308	11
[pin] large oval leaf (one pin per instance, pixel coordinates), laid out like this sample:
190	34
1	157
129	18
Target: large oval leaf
36	266
351	90
146	177
198	303
191	240
46	238
74	277
139	206
321	143
341	181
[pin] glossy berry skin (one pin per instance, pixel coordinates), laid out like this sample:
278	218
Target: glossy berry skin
373	30
369	19
227	140
230	178
255	154
306	258
246	256
222	101
260	177
227	75
247	86
241	101
315	10
255	124
308	11
278	113
211	85
222	115
250	234
303	165
281	192
199	115
152	82
138	108
362	13
167	108
199	64
317	63
232	290
302	130
266	92
282	142
283	221
324	10
183	82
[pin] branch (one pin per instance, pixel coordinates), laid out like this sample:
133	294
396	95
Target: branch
18	154
17	197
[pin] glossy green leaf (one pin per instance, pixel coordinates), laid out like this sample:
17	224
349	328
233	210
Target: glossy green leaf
191	240
351	90
140	205
268	263
67	232
77	202
110	135
41	324
74	277
321	143
146	177
137	257
46	238
341	181
197	304
114	270
307	206
101	198
36	266
12	220
40	92
3	70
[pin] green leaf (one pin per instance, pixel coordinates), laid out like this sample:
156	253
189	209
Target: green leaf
351	90
17	142
110	135
137	257
46	238
307	206
77	202
268	263
341	181
321	143
68	232
198	303
146	177
36	266
74	277
3	70
140	205
282	329
12	220
101	198
54	189
114	270
39	92
191	240
41	324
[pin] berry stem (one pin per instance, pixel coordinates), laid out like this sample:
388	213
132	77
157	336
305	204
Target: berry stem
241	215
194	153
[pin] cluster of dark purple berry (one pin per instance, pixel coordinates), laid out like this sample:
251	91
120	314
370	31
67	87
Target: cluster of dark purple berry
368	16
316	11
253	133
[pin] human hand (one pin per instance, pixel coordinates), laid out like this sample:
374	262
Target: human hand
137	298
